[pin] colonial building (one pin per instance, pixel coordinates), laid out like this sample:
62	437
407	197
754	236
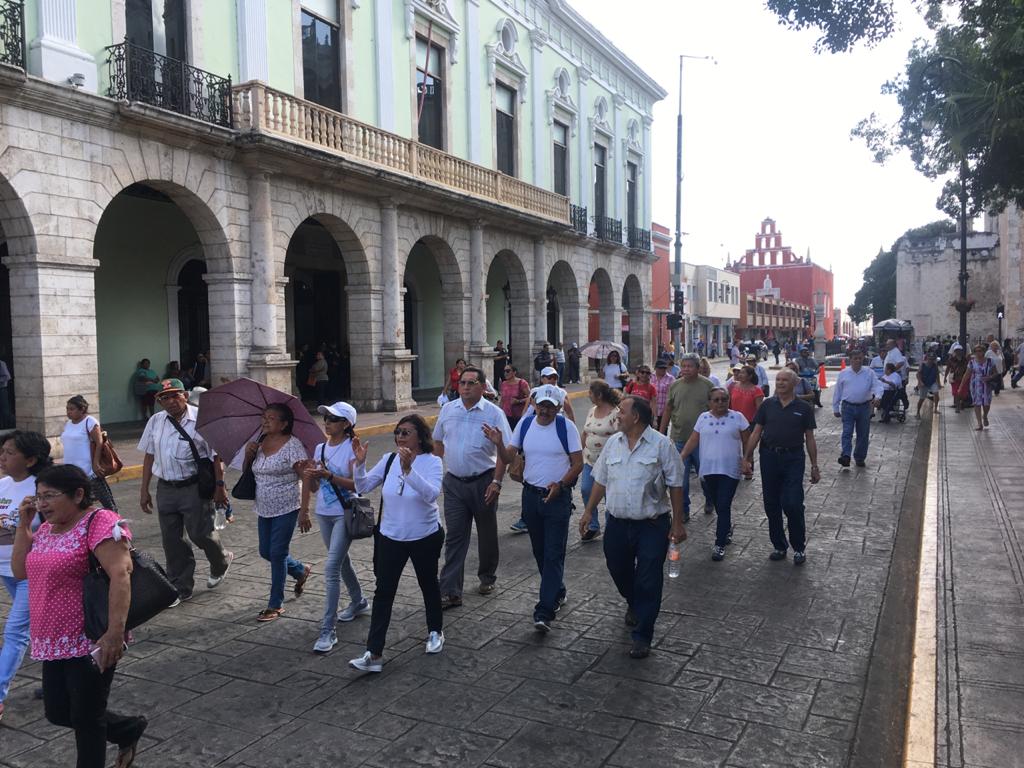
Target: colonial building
713	300
766	316
408	180
1009	225
798	279
661	287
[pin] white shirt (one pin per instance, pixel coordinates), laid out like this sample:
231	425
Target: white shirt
636	482
172	457
410	501
855	387
877	366
77	446
715	380
545	460
762	376
11	495
897	358
337	459
611	374
721	443
467	451
996	358
892	380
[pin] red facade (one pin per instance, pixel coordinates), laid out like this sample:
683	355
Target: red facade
661	288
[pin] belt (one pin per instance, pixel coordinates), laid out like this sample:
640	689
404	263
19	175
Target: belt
181	483
847	402
471	478
536	489
779	449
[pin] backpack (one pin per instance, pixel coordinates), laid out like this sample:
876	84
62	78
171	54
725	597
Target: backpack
515	469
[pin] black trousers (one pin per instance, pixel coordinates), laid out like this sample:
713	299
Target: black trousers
389	559
75	696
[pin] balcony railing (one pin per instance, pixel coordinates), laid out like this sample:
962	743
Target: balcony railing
262	109
579	219
141	75
639	239
609	229
12	33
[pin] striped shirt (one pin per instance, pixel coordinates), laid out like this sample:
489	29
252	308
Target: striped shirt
661	384
172	456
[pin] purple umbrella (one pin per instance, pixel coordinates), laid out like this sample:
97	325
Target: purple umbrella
230	416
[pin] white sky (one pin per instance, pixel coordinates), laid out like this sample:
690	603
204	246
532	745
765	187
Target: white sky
766	132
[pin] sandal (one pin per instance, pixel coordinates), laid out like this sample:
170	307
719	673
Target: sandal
300	583
269	614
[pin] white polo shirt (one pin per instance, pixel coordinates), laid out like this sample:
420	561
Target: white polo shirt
546	461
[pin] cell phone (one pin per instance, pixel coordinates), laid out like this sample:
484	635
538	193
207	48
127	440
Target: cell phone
94	654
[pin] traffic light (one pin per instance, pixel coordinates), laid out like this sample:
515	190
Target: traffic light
1000	312
807	319
679	303
674	322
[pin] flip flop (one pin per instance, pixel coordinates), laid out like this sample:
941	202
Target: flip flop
269	614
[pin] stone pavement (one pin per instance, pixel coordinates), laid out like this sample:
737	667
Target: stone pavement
980	696
755	663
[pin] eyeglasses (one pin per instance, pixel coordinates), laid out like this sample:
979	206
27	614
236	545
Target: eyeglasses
719	399
403	432
170	396
333	419
468	382
48	497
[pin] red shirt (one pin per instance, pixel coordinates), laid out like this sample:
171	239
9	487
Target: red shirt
745	400
647	391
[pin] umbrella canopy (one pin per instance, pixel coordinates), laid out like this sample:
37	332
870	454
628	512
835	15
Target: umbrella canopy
230	417
600	349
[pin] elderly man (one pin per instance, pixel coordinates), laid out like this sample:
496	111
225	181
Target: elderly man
472	484
172	446
782	427
687	400
636	473
854	396
552	461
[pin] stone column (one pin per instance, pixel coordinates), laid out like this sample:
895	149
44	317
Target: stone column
395	359
230	298
541	178
54	55
480	352
268	361
540	300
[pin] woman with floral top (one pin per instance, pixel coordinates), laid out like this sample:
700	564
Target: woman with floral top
602	422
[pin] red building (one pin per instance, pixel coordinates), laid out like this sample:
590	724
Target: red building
771	269
661	288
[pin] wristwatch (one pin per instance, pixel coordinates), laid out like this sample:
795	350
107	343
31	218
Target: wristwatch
496	482
220	483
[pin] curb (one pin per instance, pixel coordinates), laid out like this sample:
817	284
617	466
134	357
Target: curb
134	472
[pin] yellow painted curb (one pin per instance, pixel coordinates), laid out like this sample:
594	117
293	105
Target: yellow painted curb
919	742
133	472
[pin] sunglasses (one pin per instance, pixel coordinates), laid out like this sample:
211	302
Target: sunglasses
333	419
404	432
719	399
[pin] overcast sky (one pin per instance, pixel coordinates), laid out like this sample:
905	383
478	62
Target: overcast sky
766	132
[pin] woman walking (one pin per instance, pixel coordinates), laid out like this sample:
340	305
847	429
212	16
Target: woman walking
957	370
331	479
704	369
278	460
602	422
23	455
409	528
55	559
82	439
982	372
745	395
719	435
615	373
515	394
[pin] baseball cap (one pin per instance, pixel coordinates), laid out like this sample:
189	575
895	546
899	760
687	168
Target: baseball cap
171	385
548	394
341	409
549	371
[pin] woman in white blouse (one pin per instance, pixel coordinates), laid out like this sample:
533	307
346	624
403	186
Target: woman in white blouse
82	438
409	528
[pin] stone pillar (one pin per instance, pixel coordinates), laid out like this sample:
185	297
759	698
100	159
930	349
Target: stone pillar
252	41
268	361
540	300
230	312
395	359
54	55
480	352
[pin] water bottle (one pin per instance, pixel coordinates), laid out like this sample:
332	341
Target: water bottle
220	519
674	560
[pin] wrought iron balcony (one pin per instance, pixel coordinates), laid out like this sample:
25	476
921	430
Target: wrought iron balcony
579	219
138	74
12	33
609	229
639	239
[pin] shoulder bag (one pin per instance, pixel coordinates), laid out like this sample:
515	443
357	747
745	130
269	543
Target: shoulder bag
359	510
245	488
151	591
204	466
108	462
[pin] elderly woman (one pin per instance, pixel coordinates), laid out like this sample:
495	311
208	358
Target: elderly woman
23	455
278	461
409	529
602	422
55	559
983	373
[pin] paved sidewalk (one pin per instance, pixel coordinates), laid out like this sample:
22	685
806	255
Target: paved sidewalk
980	696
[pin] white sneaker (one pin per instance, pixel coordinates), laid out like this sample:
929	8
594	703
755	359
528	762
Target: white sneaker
367	663
326	642
435	642
213	581
354	609
176	603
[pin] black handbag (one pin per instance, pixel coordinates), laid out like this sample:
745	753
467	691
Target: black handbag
245	488
204	467
151	592
359	511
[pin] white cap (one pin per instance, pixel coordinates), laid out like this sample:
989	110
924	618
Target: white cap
340	408
548	394
549	371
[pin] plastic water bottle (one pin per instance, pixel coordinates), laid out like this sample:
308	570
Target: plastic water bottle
674	560
220	519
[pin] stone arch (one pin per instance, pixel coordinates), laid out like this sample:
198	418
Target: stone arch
601	304
563	305
508	305
18	313
634	317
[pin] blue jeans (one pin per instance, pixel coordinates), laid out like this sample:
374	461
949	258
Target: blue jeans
692	462
586	486
337	568
275	535
722	489
782	484
856	417
635	553
15	632
548	526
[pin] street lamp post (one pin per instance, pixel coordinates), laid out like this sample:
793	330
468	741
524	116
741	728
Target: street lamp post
964	277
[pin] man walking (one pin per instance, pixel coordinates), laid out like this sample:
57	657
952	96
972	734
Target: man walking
168	442
472	484
552	461
638	526
782	426
543	359
854	396
687	400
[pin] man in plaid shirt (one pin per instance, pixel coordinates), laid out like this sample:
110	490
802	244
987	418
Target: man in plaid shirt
662	381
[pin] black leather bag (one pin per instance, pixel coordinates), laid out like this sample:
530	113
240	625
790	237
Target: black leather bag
245	488
204	467
152	592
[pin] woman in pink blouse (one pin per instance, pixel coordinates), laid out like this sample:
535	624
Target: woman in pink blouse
55	559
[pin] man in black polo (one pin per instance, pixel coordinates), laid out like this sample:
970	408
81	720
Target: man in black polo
783	425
